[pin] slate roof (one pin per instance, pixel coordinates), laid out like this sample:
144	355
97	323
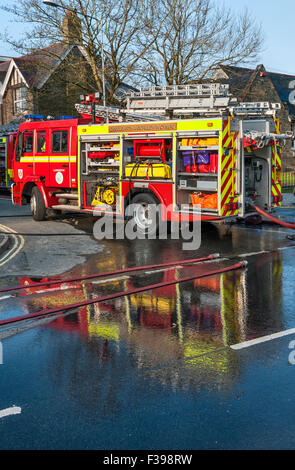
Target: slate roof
36	66
281	83
239	78
3	70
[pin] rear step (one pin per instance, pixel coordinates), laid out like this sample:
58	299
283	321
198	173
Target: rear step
68	207
67	195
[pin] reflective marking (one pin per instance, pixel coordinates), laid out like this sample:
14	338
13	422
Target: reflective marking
14	410
18	245
262	339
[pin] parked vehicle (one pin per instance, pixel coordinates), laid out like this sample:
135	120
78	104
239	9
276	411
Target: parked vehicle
213	163
7	143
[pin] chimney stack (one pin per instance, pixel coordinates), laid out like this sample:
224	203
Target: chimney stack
71	28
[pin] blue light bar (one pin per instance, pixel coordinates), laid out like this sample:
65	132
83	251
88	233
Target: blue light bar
35	116
67	117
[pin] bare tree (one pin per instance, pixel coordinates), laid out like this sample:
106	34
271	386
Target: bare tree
109	25
144	41
195	37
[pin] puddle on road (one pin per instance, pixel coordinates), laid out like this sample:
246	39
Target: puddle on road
183	322
189	324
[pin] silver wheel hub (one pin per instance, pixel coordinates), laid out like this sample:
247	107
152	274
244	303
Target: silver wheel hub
33	204
142	216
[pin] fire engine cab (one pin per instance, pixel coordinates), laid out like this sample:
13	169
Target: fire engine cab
193	149
45	162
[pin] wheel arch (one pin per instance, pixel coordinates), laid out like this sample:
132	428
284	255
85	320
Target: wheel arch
133	192
28	188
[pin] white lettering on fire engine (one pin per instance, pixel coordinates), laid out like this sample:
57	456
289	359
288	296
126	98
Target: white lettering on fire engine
59	177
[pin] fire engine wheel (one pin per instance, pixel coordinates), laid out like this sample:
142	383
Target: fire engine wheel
37	205
145	213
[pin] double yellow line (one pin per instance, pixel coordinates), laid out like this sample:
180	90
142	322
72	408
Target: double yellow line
18	243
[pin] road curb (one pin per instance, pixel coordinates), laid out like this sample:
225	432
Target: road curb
4	243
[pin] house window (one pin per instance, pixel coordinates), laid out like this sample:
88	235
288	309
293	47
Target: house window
59	143
20	102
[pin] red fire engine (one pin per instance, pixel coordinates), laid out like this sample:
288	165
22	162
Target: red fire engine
45	161
221	154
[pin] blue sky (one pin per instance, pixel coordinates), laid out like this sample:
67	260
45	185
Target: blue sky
277	21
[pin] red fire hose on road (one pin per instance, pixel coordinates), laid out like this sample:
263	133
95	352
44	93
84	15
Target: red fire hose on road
112	273
272	218
105	298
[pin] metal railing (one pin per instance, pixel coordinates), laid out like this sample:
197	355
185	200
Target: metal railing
288	179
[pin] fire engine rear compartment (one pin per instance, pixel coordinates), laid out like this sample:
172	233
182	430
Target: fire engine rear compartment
167	165
201	169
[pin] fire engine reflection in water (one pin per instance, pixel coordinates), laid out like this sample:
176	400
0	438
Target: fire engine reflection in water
179	326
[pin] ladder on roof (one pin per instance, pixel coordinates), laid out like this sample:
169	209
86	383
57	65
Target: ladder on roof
113	113
180	101
186	100
202	89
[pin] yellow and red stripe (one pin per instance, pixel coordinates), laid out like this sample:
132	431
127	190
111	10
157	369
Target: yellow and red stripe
227	193
276	183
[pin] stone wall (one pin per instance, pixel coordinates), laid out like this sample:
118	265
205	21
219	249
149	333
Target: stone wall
7	107
262	89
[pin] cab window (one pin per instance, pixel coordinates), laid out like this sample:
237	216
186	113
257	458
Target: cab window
27	142
18	149
41	141
24	144
59	142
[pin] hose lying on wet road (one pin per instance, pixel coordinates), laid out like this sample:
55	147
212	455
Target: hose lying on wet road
272	218
61	310
112	273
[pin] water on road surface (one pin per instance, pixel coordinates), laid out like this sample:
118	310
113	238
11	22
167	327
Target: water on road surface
153	370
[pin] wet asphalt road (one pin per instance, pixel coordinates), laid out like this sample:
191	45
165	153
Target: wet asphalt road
154	370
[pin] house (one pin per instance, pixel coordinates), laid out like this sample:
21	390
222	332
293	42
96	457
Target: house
251	85
39	82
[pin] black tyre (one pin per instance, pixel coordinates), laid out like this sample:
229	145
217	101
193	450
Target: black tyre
37	205
53	213
145	213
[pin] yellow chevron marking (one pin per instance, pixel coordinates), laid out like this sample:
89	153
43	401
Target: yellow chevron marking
225	162
225	189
